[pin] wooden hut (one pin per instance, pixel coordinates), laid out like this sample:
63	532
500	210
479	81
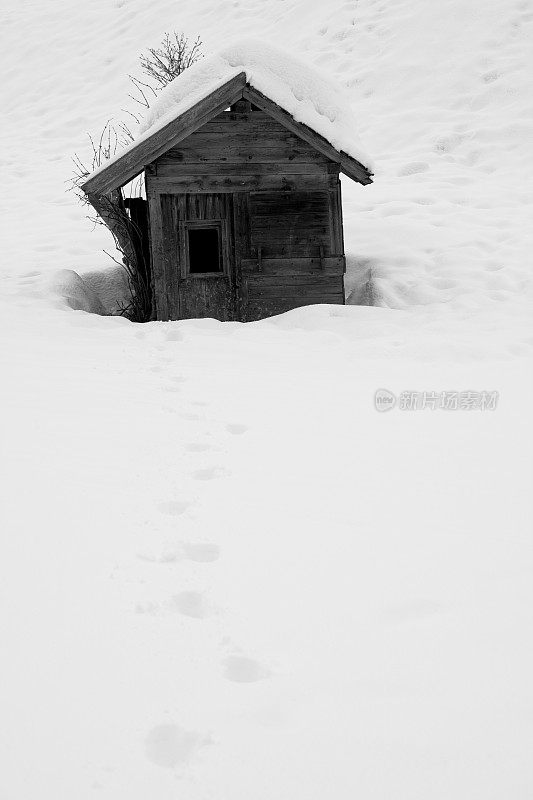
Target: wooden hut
244	207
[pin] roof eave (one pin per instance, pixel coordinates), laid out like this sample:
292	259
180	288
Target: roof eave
133	161
348	165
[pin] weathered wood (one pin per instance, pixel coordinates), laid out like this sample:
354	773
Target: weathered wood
337	226
335	207
211	184
197	295
200	298
132	161
295	283
169	169
203	149
292	225
171	256
283	235
252	138
255	115
307	295
350	166
157	258
332	265
241	230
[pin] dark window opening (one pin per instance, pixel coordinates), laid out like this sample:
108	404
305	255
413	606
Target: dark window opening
204	250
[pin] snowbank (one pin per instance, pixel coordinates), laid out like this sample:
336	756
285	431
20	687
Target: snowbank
98	292
219	561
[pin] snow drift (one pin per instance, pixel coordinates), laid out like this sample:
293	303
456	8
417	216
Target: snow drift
224	574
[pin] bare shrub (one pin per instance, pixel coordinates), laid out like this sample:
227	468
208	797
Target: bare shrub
171	58
174	55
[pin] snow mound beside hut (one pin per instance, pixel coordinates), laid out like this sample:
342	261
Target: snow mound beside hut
291	83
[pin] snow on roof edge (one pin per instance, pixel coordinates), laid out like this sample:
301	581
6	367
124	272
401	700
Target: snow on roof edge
292	84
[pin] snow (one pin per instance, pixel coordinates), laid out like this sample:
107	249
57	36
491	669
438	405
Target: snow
297	87
294	85
224	574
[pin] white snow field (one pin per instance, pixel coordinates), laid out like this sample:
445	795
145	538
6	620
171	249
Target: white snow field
224	574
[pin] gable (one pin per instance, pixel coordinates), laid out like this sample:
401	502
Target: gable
253	137
165	138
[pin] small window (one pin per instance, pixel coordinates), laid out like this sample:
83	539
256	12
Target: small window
204	250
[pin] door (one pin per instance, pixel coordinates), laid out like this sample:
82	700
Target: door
198	229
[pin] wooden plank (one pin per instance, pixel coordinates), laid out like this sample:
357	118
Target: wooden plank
333	265
350	166
313	288
171	256
292	225
295	283
202	297
132	162
267	203
230	117
338	228
265	127
284	182
241	149
311	296
156	246
168	169
241	248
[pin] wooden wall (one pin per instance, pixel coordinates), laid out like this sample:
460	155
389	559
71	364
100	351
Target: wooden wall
283	211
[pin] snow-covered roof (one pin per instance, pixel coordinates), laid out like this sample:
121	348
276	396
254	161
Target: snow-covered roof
296	87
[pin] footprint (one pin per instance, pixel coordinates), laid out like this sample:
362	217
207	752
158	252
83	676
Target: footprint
204	553
191	604
197	447
169	745
413	168
147	608
236	428
173	507
490	77
174	336
166	557
447	144
209	473
241	669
